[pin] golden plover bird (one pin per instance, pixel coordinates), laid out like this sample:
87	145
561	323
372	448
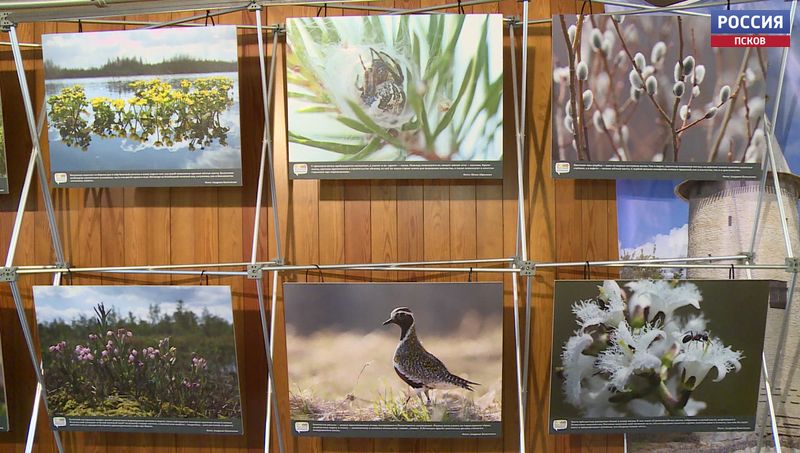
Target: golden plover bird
416	366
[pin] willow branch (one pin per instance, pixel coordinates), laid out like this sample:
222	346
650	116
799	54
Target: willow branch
572	81
729	111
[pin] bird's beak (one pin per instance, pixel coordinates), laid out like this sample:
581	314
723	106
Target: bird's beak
388	321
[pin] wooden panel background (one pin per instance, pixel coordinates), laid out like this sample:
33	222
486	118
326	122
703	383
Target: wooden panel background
320	222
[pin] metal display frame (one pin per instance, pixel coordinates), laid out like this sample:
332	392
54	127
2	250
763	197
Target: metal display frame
519	266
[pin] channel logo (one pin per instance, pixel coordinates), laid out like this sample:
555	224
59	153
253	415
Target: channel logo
762	28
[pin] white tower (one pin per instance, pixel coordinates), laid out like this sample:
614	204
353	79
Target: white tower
721	219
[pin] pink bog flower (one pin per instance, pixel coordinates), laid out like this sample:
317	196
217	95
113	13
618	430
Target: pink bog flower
92	337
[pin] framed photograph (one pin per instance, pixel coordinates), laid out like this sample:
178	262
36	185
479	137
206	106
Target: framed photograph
405	97
154	359
647	97
143	107
420	360
652	356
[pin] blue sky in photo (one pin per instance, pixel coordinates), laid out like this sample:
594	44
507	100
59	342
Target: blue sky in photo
70	302
649	213
69	50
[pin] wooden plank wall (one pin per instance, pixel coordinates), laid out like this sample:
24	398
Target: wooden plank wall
320	222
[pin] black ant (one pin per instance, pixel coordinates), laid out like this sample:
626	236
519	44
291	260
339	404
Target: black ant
695	336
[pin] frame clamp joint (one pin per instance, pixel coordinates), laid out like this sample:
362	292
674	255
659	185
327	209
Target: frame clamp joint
254	271
254	6
793	265
527	268
5	23
8	274
749	257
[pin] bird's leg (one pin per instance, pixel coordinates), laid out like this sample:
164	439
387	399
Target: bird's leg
408	397
428	396
419	395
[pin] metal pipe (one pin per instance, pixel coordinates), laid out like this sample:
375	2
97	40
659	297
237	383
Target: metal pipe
614	263
270	159
270	368
31	436
778	194
518	357
263	161
136	271
271	351
782	76
656	8
775	436
685	7
761	190
426	9
779	349
26	332
272	28
26	186
523	241
196	17
37	402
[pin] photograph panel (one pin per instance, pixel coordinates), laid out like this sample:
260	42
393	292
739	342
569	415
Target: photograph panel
413	96
657	355
144	108
648	97
394	359
139	358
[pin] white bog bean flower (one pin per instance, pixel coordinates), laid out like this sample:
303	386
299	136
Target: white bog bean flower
582	70
587	98
658	52
651	84
661	297
639	60
615	366
698	358
724	94
631	353
678	89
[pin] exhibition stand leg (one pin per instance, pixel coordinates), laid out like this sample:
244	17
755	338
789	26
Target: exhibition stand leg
270	368
267	157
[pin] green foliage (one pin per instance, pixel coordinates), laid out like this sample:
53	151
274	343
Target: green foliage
189	112
178	365
390	409
647	273
124	66
442	110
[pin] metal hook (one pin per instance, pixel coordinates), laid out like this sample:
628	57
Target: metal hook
732	273
319	271
587	271
202	273
80	26
469	276
460	7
